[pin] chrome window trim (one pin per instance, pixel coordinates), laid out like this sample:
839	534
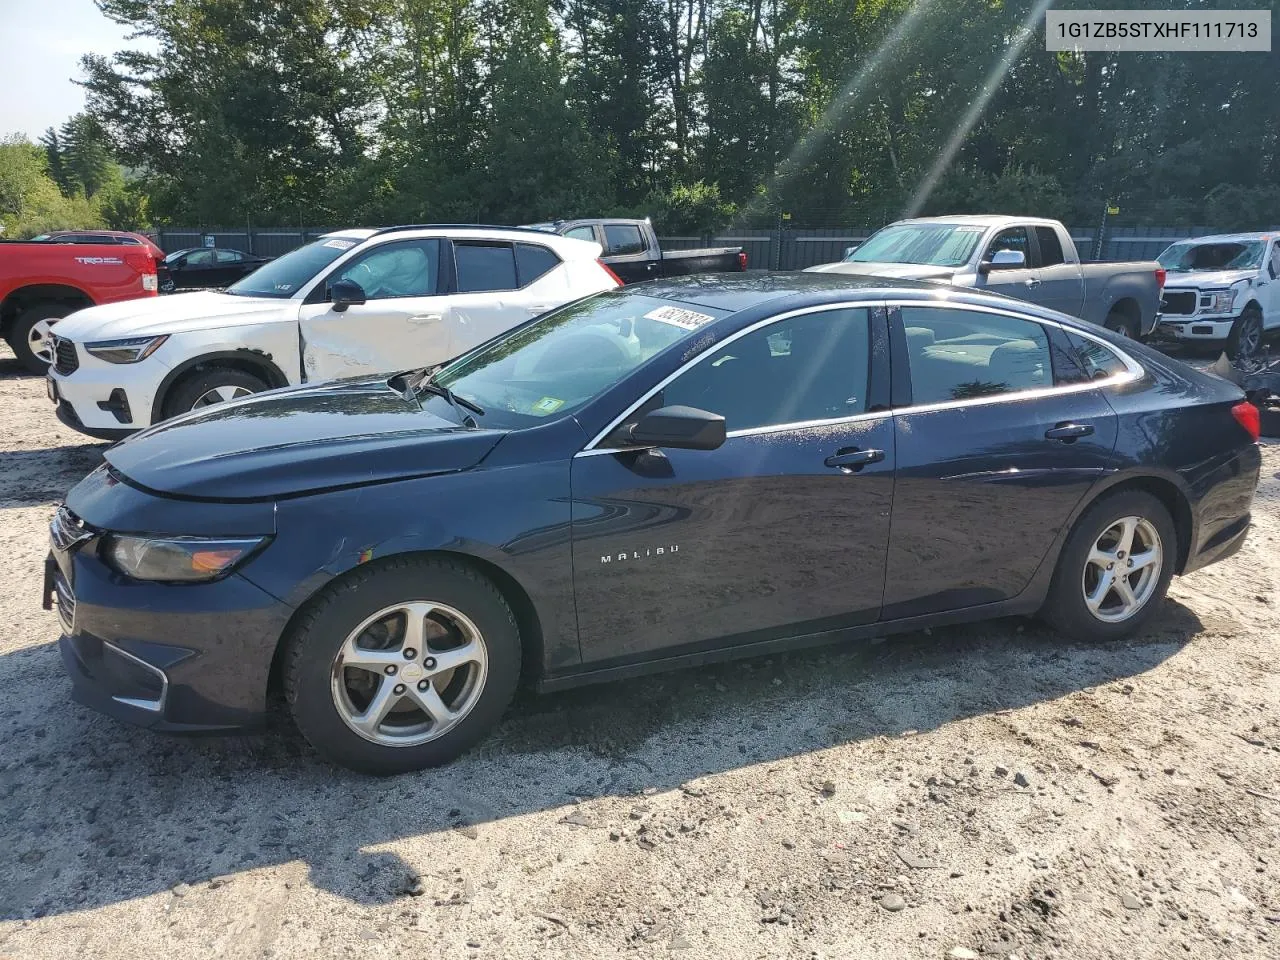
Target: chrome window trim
154	706
1133	371
591	449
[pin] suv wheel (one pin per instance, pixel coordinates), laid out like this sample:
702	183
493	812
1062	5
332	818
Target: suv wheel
210	387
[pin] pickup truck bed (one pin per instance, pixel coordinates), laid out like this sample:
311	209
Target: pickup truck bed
42	282
632	251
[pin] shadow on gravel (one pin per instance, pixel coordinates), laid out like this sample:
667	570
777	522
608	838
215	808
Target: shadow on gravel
32	477
98	813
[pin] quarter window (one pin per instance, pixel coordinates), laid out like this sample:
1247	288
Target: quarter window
484	266
407	268
533	261
622	238
962	354
810	367
1097	361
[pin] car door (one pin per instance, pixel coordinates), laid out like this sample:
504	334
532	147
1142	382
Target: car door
1270	293
229	266
197	269
626	253
1061	285
401	325
781	531
487	299
998	437
1019	283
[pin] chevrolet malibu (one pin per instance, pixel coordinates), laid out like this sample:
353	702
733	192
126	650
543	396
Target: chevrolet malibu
653	477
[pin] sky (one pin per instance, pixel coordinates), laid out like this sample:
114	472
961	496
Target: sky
42	43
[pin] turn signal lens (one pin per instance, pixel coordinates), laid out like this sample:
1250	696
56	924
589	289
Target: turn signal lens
1248	416
214	561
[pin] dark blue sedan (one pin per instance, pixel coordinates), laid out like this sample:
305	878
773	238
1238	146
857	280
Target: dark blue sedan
664	475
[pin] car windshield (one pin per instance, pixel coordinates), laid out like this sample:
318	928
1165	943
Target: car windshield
1223	255
936	244
285	276
556	364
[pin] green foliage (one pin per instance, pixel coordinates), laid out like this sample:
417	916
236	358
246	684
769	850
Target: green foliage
30	201
696	112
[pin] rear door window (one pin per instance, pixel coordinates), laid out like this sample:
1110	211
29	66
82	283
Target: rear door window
965	354
1050	246
484	266
622	238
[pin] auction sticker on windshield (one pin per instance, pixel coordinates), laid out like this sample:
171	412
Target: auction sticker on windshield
675	316
340	244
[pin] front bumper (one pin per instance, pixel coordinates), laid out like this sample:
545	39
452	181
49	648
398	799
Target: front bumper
1180	327
180	658
107	400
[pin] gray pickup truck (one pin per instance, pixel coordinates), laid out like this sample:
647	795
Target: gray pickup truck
1021	257
632	252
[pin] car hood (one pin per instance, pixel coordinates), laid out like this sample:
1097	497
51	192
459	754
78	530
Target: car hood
177	313
1207	278
901	271
297	440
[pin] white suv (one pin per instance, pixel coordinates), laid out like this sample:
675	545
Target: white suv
351	303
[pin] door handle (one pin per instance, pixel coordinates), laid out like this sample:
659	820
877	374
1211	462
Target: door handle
1032	282
1069	432
851	461
426	318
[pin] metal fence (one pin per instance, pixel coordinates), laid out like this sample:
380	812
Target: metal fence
766	249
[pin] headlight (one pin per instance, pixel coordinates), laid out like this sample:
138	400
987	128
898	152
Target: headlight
177	559
126	351
1220	301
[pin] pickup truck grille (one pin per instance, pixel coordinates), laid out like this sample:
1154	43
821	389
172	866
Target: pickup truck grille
1180	302
65	358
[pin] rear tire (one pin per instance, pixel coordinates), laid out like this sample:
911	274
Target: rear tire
1080	604
210	387
1120	322
333	700
1246	334
29	335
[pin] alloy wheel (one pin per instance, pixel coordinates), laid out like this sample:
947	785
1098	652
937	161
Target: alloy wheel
1250	335
409	673
40	340
1123	569
220	394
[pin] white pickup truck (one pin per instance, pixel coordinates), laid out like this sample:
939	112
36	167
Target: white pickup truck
1222	288
349	304
1022	257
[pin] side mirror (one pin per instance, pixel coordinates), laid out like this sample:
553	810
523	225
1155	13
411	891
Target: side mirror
686	428
848	252
345	293
1004	260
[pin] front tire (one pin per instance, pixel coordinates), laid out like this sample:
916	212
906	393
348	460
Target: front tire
29	336
1114	569
1246	334
403	665
209	388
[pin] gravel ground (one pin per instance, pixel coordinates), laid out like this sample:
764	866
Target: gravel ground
985	790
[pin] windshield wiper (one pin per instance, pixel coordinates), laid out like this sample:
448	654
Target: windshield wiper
454	401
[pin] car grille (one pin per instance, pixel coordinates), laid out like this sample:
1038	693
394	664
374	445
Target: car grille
1180	301
66	600
67	530
65	358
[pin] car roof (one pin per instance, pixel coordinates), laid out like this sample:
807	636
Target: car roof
985	220
565	246
736	292
1223	238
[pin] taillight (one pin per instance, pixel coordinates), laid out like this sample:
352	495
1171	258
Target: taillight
1160	275
1248	416
742	259
605	267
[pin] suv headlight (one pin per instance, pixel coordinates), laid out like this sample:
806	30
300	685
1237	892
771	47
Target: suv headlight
126	351
177	559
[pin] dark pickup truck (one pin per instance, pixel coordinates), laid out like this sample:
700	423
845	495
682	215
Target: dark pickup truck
631	250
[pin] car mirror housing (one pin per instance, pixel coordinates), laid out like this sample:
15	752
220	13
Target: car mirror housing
686	428
345	293
1005	260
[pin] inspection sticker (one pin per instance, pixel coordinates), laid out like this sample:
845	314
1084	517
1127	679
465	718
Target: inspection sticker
679	318
548	405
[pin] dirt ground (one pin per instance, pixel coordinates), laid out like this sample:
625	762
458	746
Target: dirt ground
986	790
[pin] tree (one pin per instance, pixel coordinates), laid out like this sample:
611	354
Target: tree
30	201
